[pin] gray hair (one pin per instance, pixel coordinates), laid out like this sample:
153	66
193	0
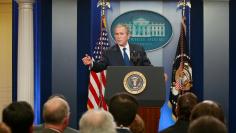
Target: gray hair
55	110
97	121
123	25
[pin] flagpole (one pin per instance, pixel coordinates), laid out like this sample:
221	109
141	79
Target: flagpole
103	4
183	4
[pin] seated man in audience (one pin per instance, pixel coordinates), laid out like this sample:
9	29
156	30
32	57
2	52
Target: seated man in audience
207	124
97	121
4	128
138	125
124	108
185	104
19	116
208	107
56	113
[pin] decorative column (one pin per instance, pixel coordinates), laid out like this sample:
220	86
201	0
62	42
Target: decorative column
25	66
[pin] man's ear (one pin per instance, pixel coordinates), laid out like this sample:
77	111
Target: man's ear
129	36
31	129
66	121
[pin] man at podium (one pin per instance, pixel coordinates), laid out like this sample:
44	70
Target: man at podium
121	54
125	54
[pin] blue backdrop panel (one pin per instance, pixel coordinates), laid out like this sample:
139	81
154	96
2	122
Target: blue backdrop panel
232	66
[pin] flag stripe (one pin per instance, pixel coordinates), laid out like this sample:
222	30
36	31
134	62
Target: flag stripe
93	96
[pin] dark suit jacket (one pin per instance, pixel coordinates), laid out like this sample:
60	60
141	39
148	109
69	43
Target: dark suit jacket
39	129
181	126
113	57
119	130
47	130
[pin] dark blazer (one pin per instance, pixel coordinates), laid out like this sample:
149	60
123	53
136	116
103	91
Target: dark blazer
181	126
40	128
113	57
47	130
120	130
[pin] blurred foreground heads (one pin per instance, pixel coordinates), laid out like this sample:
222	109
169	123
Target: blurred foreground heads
19	116
56	114
207	124
97	121
123	107
209	108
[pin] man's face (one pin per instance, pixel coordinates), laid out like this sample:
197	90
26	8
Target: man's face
121	36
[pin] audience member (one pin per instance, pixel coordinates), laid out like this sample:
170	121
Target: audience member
4	128
97	121
138	125
185	104
56	113
124	108
208	107
207	124
19	116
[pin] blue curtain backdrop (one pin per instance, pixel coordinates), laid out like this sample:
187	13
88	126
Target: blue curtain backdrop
14	48
37	60
232	66
84	13
196	51
45	34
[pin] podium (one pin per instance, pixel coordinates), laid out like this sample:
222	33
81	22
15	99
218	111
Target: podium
145	83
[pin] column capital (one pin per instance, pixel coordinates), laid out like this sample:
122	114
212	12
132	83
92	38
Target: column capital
25	4
25	1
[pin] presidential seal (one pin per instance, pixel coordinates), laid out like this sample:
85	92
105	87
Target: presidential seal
134	82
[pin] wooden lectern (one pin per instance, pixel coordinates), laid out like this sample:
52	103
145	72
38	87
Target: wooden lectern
146	83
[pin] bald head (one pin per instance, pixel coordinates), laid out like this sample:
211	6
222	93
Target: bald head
209	108
55	110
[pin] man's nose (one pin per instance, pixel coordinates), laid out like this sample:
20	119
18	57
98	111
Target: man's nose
119	35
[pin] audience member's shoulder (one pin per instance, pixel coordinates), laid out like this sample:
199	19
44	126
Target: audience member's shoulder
120	130
71	130
168	130
38	128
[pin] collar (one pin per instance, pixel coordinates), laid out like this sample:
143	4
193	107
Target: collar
121	127
55	130
126	46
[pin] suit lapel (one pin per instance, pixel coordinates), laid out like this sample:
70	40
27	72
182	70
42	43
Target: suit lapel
118	56
131	48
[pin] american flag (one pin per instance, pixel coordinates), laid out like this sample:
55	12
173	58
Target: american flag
98	80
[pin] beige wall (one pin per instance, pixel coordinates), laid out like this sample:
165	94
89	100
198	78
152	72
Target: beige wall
5	53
